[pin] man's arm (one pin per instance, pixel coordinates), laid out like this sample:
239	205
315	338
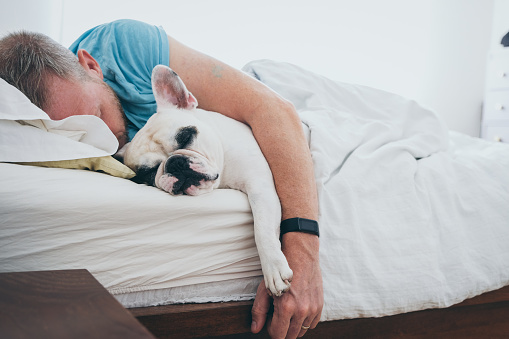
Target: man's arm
278	131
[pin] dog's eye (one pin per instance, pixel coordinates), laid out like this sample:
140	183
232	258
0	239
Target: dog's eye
185	136
146	175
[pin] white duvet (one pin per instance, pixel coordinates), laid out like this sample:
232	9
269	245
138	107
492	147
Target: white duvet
411	216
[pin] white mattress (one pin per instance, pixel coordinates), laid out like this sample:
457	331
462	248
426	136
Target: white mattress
222	291
130	237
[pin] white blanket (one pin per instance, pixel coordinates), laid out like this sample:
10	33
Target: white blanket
411	216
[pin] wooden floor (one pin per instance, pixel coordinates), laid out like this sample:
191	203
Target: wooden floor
486	316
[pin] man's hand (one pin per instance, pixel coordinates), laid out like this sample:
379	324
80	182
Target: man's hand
302	304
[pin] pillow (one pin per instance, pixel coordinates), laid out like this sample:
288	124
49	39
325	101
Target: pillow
106	164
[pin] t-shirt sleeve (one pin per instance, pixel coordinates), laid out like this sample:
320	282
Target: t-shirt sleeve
127	51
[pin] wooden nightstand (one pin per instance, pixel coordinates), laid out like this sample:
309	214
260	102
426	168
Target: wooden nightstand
62	304
495	120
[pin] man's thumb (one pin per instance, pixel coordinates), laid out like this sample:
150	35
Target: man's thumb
260	308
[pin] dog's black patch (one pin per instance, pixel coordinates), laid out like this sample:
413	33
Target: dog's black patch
179	167
146	175
185	136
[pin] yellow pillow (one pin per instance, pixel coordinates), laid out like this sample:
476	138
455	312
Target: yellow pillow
106	164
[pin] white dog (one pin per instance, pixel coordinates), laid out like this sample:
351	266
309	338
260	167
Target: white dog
186	150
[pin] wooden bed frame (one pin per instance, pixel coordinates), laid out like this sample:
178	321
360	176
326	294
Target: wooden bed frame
485	316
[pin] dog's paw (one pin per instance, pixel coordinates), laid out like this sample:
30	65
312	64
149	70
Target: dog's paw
278	277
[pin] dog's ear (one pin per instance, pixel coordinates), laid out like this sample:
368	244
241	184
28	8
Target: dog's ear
169	89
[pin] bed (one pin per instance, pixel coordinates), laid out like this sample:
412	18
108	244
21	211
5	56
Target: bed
414	218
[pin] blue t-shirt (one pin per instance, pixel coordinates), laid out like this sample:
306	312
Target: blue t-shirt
127	51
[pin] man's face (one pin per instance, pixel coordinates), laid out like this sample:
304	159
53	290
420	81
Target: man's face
91	97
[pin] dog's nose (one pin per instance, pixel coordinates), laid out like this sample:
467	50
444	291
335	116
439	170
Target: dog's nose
177	164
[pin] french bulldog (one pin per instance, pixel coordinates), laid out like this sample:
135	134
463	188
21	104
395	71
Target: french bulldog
184	150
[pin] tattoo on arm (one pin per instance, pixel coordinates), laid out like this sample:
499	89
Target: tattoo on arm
217	71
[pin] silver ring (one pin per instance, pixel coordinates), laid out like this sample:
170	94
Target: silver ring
305	327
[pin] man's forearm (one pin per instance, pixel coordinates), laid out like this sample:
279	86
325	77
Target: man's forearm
289	157
290	161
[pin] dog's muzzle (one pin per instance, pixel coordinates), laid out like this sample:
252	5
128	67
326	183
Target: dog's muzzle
186	172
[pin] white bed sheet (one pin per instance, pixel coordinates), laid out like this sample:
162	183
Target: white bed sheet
130	237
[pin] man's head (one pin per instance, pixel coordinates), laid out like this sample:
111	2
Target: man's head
59	83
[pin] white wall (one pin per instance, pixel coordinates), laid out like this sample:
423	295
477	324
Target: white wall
500	23
43	16
433	51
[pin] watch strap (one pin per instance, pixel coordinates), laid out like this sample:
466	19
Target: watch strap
299	225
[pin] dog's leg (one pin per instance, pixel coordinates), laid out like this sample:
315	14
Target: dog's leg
267	216
247	170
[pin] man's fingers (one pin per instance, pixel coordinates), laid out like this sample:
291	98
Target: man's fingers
300	320
260	308
296	329
293	317
315	321
278	329
302	327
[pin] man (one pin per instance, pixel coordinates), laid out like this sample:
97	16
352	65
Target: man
114	60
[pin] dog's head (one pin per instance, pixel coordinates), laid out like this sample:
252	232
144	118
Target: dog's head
175	151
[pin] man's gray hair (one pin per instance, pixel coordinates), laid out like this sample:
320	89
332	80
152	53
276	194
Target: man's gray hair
26	59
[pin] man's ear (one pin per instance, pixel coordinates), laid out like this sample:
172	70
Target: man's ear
90	65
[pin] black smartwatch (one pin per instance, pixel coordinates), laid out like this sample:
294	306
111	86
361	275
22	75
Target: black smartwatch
299	225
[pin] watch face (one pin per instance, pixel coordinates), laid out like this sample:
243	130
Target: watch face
308	225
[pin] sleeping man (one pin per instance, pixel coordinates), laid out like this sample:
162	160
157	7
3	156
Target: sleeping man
109	76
